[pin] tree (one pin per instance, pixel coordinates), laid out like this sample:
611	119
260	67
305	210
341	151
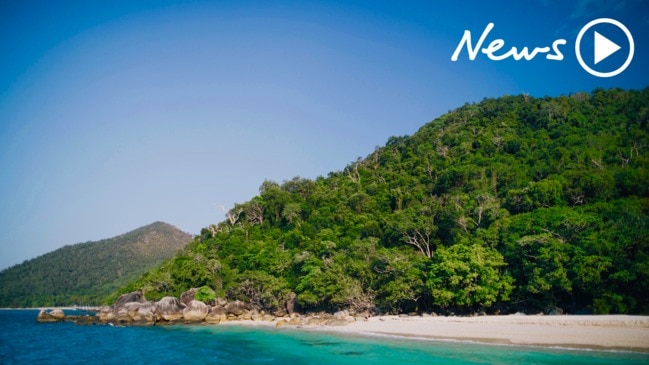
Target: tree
542	272
401	275
417	226
205	294
259	288
468	276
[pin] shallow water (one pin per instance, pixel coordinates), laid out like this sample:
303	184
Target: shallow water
23	341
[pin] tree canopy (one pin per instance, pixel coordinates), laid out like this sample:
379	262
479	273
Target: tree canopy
510	204
86	273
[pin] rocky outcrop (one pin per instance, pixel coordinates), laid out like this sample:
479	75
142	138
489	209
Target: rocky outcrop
122	318
256	316
281	312
106	314
131	308
46	317
188	296
58	314
141	313
134	309
196	311
247	315
147	312
235	308
86	319
170	309
216	315
281	323
133	297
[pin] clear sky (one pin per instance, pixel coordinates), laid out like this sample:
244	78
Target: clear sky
116	114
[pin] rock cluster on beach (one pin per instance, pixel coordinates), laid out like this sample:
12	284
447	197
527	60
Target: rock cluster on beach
134	309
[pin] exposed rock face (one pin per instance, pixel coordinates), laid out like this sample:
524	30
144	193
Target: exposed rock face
280	313
122	317
216	315
141	313
247	315
236	308
316	321
147	312
196	311
188	296
45	317
170	309
125	313
106	315
85	320
133	309
281	323
134	297
58	314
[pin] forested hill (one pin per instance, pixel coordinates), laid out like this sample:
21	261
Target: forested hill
510	204
86	273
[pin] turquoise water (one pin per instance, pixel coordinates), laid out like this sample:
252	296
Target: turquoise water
23	341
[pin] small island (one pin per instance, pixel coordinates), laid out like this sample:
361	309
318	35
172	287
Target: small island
515	220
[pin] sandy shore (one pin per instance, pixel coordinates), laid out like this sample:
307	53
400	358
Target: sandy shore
596	332
616	332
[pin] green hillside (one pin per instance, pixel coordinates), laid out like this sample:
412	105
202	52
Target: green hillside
86	273
510	204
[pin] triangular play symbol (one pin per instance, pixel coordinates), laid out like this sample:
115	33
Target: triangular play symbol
604	47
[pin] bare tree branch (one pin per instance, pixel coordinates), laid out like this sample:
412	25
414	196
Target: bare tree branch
421	240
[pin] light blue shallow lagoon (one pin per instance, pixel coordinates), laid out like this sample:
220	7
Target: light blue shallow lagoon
23	341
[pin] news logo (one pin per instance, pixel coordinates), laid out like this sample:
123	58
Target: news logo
603	47
594	48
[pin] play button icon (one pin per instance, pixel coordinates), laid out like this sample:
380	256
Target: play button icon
603	47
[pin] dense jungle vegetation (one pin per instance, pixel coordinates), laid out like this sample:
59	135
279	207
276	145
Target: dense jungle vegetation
510	204
86	273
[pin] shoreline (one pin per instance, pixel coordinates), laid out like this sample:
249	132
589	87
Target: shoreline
598	333
592	332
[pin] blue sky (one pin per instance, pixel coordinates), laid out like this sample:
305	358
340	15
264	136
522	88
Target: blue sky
116	114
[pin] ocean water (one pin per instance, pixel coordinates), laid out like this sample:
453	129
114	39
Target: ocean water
23	341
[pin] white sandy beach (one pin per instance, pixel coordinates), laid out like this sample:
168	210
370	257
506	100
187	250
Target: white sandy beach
597	332
610	332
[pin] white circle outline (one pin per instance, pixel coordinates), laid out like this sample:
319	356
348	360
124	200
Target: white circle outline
628	36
